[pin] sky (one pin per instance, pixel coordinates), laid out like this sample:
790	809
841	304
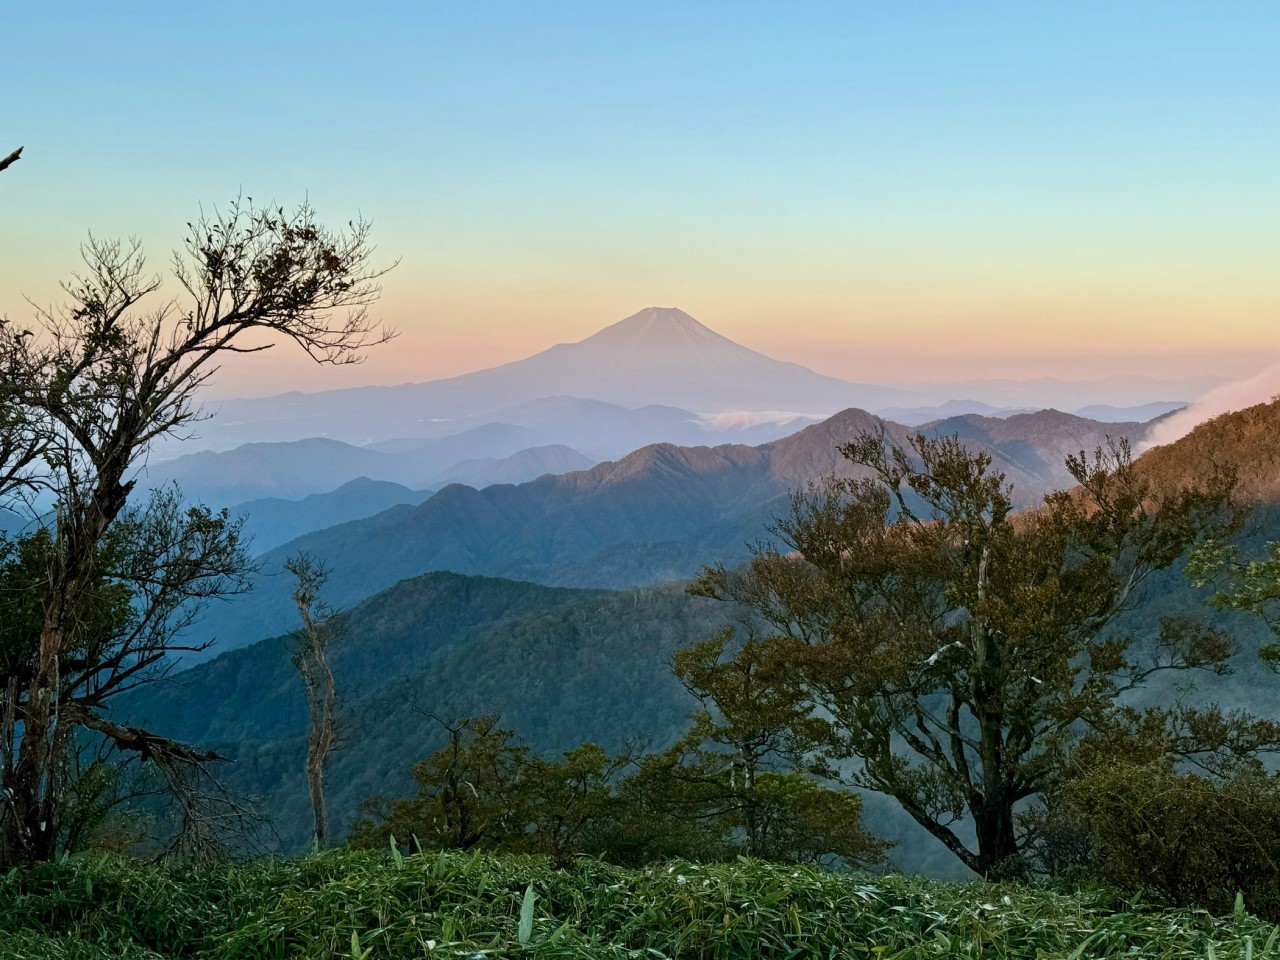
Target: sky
883	192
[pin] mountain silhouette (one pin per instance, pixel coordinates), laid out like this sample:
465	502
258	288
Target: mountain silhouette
660	355
657	514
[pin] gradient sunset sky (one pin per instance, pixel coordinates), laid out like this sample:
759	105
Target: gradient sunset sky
884	192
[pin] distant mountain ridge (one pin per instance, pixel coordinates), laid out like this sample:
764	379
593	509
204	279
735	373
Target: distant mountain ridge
520	467
660	513
272	521
914	416
1107	413
594	430
1143	412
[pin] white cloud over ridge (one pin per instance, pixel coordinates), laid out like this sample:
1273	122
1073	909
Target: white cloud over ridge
1230	396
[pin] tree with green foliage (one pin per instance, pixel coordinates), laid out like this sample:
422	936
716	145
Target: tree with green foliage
572	805
469	793
732	785
950	651
485	789
86	390
740	768
1251	585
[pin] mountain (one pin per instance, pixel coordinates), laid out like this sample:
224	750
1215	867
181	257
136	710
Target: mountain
517	468
660	513
1121	391
299	468
914	416
599	429
663	355
560	665
273	521
606	431
660	355
1246	440
11	523
256	470
390	635
1036	444
594	430
1143	412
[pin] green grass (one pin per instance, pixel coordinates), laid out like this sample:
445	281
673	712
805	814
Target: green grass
345	904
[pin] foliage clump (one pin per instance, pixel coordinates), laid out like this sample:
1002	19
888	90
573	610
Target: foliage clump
1186	838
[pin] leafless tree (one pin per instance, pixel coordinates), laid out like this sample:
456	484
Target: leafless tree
11	159
85	390
311	658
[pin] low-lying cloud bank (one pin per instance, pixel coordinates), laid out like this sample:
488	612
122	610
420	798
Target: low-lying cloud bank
743	419
1230	396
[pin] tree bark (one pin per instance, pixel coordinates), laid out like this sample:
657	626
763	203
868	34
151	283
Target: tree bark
323	697
750	820
312	661
997	842
28	833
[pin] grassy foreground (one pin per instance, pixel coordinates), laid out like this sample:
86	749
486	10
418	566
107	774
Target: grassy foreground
449	905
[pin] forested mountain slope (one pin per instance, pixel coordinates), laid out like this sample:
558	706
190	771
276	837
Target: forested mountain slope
661	513
272	521
1248	440
559	665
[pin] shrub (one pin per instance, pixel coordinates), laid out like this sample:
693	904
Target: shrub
1191	839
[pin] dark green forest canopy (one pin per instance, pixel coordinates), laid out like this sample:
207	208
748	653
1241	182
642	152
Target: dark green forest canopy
560	666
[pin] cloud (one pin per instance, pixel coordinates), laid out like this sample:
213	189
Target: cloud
1230	396
742	419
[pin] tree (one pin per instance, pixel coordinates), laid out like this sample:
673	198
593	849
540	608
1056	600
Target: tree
486	789
1196	834
1251	585
953	651
86	390
469	793
740	768
572	804
758	720
311	658
11	159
